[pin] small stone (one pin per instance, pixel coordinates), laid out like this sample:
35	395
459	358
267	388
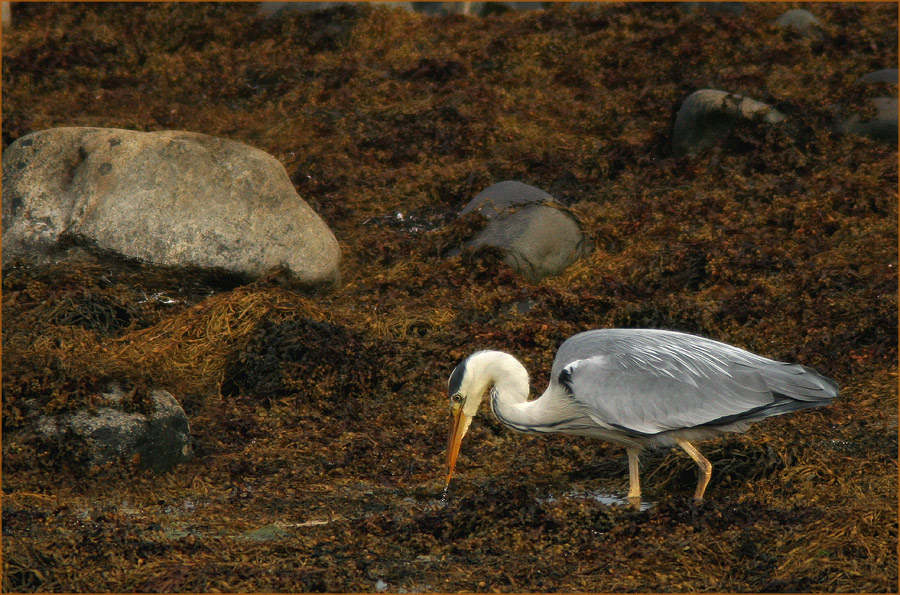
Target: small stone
885	75
504	196
538	238
708	115
802	22
882	126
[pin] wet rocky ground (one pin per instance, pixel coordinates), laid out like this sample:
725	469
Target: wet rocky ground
319	417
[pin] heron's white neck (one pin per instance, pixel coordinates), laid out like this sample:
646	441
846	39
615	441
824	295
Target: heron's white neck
486	369
509	397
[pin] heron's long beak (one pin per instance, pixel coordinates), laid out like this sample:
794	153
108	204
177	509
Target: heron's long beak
458	429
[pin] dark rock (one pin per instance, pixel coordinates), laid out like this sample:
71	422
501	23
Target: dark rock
157	441
539	238
171	198
708	115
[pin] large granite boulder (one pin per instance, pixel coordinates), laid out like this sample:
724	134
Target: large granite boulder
170	198
538	237
708	115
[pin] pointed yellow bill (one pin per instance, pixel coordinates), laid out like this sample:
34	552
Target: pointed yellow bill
458	429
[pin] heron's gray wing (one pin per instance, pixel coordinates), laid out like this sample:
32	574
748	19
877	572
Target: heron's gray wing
648	382
649	401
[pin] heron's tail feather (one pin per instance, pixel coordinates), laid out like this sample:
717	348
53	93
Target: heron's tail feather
793	386
798	382
779	407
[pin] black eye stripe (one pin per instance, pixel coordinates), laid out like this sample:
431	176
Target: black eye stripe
456	378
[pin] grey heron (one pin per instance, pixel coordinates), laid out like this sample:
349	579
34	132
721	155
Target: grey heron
635	388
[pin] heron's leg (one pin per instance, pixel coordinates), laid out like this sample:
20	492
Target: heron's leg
634	479
704	465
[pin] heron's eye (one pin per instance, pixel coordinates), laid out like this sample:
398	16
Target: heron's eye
456	398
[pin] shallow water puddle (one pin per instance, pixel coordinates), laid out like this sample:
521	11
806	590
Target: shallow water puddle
602	497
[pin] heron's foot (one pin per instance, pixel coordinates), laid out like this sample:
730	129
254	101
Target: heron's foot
635	502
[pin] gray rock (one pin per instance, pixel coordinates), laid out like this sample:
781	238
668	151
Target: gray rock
803	22
537	237
882	126
171	198
708	115
503	196
885	75
157	441
878	118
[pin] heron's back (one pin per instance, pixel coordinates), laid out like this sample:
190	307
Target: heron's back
648	381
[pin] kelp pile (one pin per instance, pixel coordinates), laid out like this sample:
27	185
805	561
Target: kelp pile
319	418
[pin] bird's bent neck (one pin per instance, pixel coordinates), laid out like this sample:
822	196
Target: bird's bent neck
503	372
509	395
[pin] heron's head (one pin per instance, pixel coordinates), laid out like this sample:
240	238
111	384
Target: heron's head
466	388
